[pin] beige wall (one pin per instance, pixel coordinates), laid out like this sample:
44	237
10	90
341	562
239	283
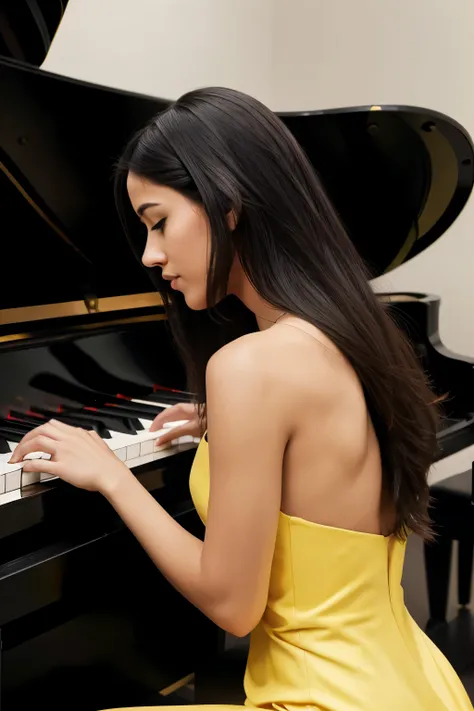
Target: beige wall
415	52
300	54
166	47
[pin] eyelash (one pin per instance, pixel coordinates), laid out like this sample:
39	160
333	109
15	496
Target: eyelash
159	225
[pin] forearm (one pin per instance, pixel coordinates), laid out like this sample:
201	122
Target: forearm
175	551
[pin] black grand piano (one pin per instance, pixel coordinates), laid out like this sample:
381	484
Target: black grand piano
86	621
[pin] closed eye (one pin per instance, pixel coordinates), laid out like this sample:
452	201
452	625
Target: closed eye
159	225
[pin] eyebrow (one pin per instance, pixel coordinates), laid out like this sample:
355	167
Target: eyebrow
145	206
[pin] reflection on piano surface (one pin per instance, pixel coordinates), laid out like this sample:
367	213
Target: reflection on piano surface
83	612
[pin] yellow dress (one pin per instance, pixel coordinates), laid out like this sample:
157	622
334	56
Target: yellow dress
336	635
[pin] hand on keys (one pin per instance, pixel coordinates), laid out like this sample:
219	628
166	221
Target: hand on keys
182	411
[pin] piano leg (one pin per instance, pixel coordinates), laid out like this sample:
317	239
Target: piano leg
438	567
465	557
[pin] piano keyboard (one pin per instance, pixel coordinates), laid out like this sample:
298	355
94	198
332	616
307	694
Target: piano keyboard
132	449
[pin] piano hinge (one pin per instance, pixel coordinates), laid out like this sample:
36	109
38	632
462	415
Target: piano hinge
92	304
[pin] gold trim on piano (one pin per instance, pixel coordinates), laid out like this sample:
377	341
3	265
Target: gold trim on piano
78	308
395	298
177	685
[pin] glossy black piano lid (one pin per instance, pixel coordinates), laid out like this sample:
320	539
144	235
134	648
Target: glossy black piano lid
398	177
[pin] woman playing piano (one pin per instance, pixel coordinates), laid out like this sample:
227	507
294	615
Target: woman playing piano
320	428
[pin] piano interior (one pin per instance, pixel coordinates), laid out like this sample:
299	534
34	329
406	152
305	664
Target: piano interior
84	337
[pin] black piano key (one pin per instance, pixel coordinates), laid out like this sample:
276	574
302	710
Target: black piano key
11	435
118	424
56	385
4	448
26	418
98	427
135	409
14	426
168	397
87	424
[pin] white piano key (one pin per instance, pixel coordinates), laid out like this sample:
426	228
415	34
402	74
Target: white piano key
121	453
13	479
45	477
176	423
133	451
7	468
146	447
150	402
28	478
5	457
38	455
118	440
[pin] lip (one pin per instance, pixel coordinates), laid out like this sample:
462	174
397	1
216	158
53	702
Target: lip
170	277
173	283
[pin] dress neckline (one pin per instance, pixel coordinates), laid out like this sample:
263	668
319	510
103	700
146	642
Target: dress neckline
325	527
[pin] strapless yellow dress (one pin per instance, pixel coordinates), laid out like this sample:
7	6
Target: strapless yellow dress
336	635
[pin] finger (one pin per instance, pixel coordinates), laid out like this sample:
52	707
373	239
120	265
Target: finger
48	430
175	432
63	427
97	438
40	443
69	430
175	412
43	466
181	411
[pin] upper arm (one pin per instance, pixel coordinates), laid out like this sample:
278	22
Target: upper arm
247	437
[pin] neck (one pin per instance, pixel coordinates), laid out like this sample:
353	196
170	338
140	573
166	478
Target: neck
267	316
265	313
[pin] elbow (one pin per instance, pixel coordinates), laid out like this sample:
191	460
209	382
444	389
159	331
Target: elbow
235	609
238	628
236	621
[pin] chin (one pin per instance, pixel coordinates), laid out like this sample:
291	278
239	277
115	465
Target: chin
195	302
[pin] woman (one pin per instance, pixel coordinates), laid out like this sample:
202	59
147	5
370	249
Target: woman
320	426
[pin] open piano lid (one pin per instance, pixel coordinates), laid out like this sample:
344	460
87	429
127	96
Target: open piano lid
398	176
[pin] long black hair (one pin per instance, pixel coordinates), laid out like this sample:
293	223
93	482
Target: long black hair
227	151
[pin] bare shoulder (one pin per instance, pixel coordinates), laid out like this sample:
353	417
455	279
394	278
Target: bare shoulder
241	365
289	359
246	352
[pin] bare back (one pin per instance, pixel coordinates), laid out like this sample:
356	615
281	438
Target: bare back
332	469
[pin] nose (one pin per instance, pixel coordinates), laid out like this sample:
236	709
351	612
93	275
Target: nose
153	257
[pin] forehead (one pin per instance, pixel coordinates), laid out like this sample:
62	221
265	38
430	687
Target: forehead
141	190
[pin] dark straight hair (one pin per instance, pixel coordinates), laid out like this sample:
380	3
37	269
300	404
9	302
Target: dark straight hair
227	151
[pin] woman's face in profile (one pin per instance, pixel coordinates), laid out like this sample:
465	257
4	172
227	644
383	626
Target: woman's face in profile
178	237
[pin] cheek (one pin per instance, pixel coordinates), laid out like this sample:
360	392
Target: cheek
196	245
